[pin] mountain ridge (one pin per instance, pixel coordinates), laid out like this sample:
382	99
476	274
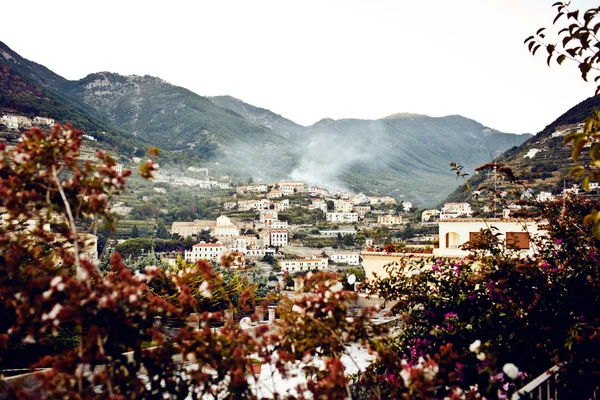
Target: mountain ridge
393	156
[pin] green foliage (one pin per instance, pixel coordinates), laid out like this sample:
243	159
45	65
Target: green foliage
134	247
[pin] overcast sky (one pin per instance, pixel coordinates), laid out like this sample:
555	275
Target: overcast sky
308	60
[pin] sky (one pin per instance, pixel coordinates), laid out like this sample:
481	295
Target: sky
309	60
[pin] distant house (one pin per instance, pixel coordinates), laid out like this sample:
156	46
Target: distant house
282	205
349	217
278	237
118	168
430	215
268	216
456	210
258	188
205	251
319	192
43	121
304	264
514	234
389	219
275	194
406	206
185	229
160	190
225	228
544	196
361	210
230	205
345	257
343	206
288	188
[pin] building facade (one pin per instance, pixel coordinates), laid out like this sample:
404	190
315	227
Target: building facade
304	264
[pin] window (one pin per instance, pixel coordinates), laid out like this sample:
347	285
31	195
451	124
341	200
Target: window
517	240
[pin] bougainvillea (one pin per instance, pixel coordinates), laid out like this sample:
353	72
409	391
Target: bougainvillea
469	328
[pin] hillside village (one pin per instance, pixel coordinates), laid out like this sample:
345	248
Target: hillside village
293	225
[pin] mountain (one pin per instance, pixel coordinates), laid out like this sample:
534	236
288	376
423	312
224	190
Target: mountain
31	89
260	116
404	155
407	156
543	161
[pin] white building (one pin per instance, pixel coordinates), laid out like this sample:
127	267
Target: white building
205	251
360	198
430	215
278	237
319	192
258	188
344	257
389	219
225	228
160	190
406	206
230	205
288	188
361	210
319	204
348	218
571	191
43	121
304	264
241	189
118	168
275	194
268	216
282	205
343	206
512	233
338	231
279	224
185	229
544	196
10	121
456	210
247	205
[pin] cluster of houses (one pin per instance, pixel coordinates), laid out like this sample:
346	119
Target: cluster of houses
274	235
347	207
16	122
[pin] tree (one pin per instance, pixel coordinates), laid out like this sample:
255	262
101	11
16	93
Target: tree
161	230
330	205
578	42
135	232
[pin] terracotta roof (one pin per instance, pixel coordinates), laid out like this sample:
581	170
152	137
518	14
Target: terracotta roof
208	245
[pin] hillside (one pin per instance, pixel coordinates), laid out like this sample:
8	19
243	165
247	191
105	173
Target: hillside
30	89
403	155
178	120
543	161
260	116
406	156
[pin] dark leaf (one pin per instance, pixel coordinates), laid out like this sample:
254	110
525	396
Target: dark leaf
557	17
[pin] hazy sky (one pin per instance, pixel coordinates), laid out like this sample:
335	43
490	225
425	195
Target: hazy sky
308	60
